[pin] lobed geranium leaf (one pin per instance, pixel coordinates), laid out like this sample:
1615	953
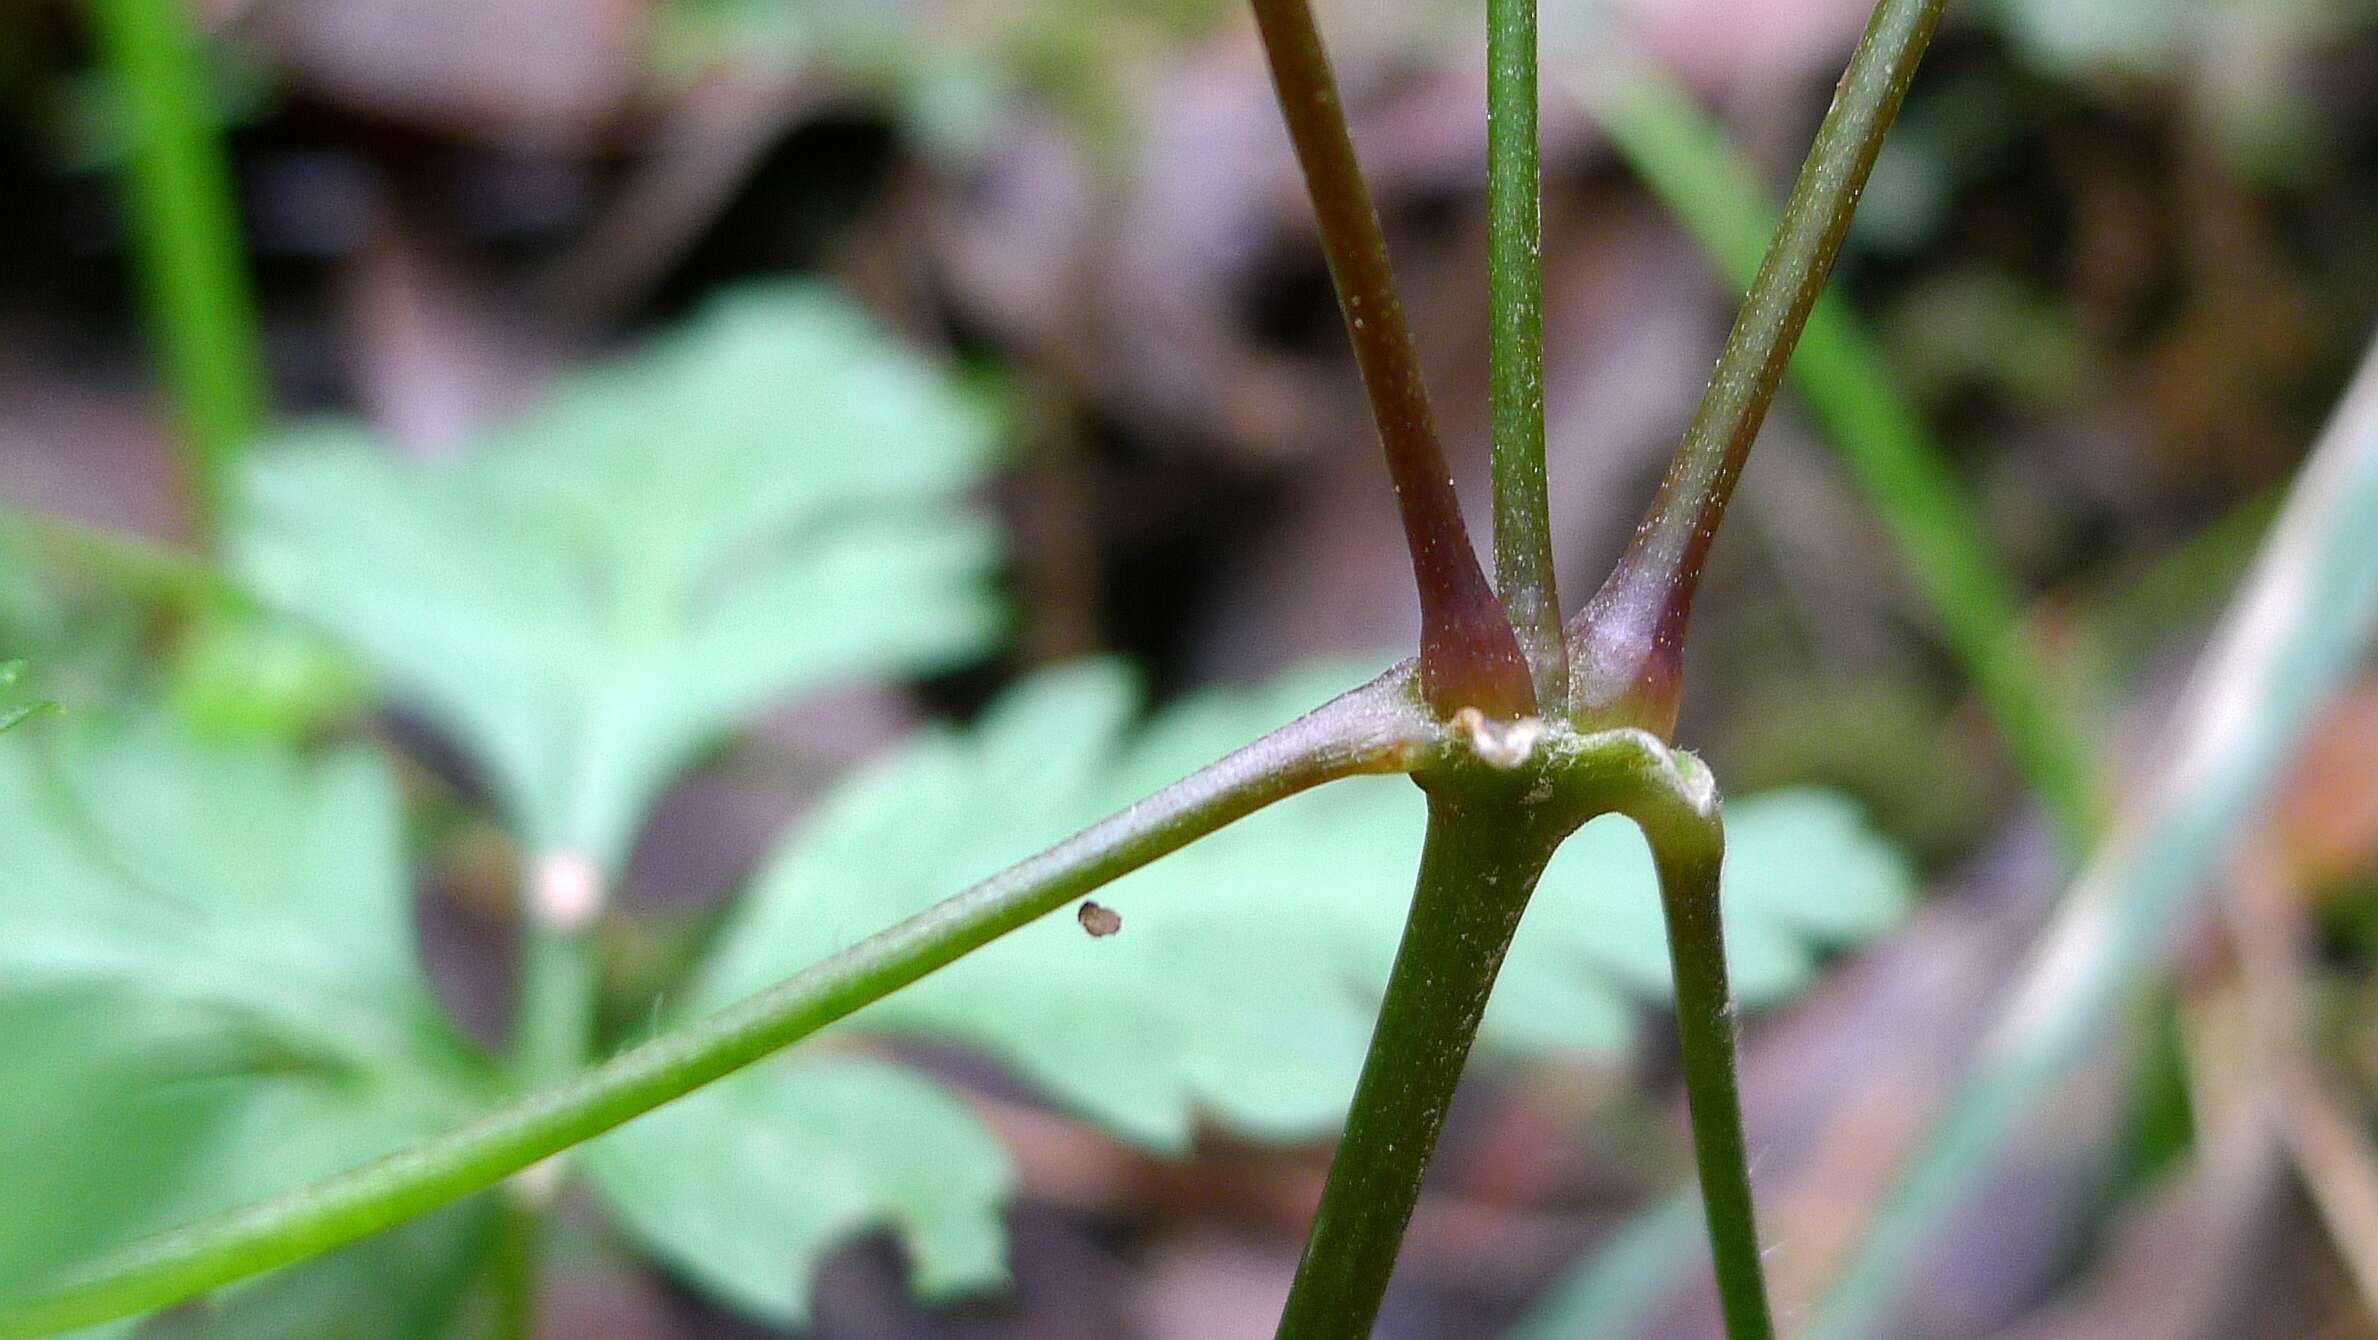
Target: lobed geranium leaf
1242	984
745	1185
768	501
208	965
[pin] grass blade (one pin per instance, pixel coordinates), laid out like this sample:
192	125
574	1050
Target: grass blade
2299	628
1613	1290
185	227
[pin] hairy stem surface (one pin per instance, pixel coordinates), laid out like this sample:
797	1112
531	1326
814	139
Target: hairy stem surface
1468	655
1515	299
1476	873
1625	646
1378	728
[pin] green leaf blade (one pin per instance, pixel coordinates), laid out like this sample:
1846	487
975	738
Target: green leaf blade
1241	988
10	673
745	1185
209	965
773	499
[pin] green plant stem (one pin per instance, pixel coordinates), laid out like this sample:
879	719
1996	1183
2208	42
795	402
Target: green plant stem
1469	656
1688	848
1492	828
553	1027
2298	631
1378	728
1515	300
1476	872
1841	371
512	1267
553	1020
1625	647
185	227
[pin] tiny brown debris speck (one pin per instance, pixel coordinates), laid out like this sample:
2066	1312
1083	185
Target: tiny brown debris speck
1099	919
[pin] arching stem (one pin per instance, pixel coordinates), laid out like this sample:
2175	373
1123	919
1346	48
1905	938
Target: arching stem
1377	728
1468	655
1626	646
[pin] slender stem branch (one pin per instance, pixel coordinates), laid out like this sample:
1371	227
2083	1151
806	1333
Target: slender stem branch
1476	873
1626	645
1683	154
1688	848
1515	297
185	226
553	1027
552	1031
1378	728
1468	655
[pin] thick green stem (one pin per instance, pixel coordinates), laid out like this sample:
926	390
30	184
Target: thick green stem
1515	297
1476	872
1468	654
185	226
1378	728
1626	645
1688	848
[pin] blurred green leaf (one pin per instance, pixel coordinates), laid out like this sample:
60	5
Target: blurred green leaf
2155	36
241	674
412	1282
765	503
2260	112
745	1185
10	673
1613	1289
944	88
208	963
88	640
1241	986
1244	980
946	81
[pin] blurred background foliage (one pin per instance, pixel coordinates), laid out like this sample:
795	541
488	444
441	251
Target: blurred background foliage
800	453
